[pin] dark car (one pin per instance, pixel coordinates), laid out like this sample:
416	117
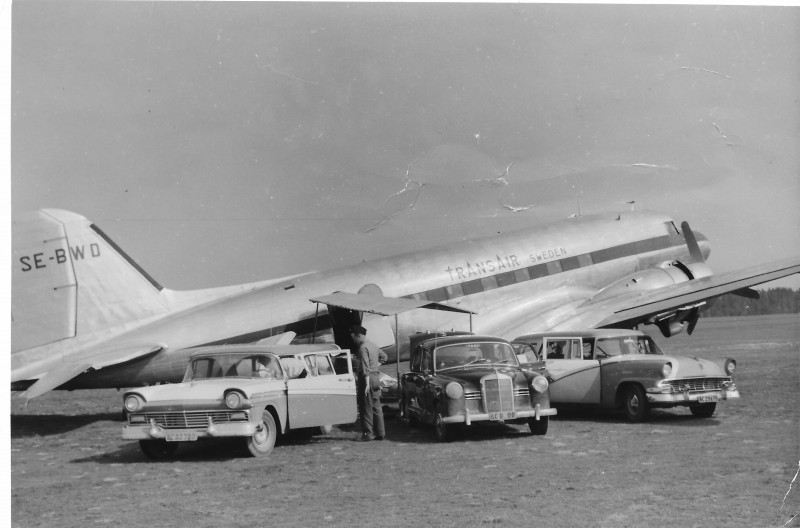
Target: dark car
468	379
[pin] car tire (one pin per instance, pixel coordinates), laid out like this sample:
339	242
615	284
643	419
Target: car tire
703	410
635	403
263	440
440	428
539	427
158	449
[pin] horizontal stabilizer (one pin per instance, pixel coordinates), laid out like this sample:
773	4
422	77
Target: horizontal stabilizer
99	358
279	339
55	378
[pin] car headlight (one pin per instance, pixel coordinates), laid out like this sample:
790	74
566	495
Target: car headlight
539	383
730	366
454	390
666	369
234	399
133	403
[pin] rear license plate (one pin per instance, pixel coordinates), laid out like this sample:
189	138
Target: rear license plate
182	436
709	398
506	415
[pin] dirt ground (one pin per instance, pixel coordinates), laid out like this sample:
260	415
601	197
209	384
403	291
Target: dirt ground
69	466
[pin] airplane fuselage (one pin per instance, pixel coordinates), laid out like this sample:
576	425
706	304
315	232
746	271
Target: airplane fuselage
540	274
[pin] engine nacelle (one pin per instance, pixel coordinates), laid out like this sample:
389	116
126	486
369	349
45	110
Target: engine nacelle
666	274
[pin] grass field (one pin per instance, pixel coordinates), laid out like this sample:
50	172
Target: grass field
69	466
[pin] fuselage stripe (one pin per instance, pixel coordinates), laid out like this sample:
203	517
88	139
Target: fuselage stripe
500	280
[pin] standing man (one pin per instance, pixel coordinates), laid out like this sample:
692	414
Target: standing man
370	357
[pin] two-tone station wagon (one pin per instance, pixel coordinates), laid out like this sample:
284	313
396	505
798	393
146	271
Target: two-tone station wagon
612	369
255	392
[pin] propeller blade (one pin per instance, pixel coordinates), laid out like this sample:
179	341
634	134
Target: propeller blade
691	243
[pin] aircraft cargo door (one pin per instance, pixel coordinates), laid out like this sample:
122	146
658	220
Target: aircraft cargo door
318	395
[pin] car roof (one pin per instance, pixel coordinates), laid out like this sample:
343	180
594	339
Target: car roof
262	349
593	333
458	339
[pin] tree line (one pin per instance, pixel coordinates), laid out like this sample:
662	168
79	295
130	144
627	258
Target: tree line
772	301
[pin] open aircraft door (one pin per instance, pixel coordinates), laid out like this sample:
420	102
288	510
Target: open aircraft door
382	306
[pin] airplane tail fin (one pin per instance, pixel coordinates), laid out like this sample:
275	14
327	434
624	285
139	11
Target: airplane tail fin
69	278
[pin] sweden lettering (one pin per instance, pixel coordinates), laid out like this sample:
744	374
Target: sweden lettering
59	256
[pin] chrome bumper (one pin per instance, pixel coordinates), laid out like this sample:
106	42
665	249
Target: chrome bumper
468	417
153	431
687	397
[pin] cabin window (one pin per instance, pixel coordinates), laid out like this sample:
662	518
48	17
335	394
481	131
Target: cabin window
454	291
570	263
473	286
553	267
538	271
506	279
489	283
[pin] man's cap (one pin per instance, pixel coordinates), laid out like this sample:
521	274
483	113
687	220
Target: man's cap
356	329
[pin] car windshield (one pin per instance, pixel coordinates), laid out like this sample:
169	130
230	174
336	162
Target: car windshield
264	366
619	346
468	354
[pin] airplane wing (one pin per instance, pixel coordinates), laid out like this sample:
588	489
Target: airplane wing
97	359
652	306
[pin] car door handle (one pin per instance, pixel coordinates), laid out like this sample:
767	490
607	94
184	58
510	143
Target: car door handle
346	379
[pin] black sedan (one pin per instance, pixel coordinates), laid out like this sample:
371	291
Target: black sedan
466	379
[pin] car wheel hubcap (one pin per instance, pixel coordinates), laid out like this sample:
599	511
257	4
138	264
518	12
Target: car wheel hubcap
261	434
634	403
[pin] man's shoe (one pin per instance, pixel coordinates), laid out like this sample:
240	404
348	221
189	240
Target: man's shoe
366	438
379	437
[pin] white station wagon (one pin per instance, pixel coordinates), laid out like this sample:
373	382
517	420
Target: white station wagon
256	392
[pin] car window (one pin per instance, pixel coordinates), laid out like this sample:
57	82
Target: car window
203	368
557	349
294	367
340	363
608	347
416	360
261	366
426	360
525	352
464	354
319	365
234	366
572	349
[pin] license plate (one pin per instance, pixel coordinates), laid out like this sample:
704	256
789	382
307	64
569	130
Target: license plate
182	436
506	415
709	398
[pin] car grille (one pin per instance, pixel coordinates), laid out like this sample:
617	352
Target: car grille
498	394
193	419
695	384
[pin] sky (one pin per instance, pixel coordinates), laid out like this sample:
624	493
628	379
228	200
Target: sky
222	143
